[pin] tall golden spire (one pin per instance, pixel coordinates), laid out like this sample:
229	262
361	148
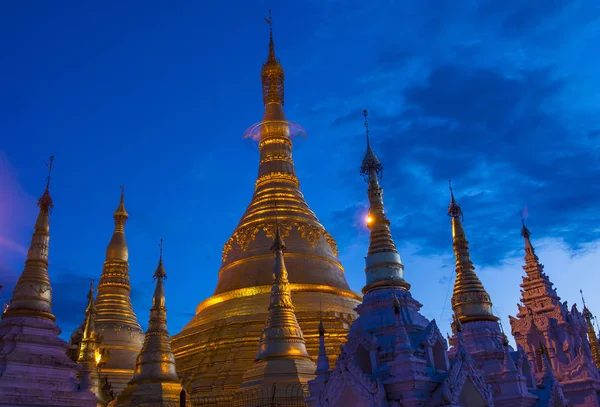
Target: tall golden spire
383	263
282	336
245	276
155	379
116	320
591	332
33	294
470	301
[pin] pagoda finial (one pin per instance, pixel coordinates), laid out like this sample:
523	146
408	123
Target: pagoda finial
272	73
117	248
371	168
45	200
383	263
531	258
121	213
160	273
33	294
453	209
524	231
470	300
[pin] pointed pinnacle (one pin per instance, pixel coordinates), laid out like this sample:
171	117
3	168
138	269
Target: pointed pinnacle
453	209
160	272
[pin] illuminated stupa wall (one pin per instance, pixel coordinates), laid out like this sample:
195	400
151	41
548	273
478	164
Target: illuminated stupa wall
219	344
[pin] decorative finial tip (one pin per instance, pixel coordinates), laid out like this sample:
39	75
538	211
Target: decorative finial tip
49	165
45	201
453	210
160	272
525	233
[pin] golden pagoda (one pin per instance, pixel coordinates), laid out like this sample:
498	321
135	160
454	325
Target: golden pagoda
470	300
282	357
115	321
155	382
219	344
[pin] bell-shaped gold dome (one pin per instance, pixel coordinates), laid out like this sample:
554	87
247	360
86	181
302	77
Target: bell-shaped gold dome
219	344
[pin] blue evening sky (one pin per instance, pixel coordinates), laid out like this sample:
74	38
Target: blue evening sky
502	97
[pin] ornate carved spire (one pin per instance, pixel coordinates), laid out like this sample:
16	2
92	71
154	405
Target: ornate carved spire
33	294
282	336
591	332
272	72
470	301
155	379
384	266
322	360
538	292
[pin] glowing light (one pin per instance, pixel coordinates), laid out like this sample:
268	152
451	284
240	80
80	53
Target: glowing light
97	356
369	219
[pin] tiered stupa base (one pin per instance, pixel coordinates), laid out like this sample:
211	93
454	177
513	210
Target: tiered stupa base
152	394
219	345
35	369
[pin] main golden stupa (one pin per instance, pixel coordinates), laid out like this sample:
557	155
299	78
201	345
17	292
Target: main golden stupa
221	342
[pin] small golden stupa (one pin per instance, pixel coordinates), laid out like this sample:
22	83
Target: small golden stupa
216	348
155	382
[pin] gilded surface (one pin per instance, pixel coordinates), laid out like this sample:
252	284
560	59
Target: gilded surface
155	381
219	344
116	320
470	300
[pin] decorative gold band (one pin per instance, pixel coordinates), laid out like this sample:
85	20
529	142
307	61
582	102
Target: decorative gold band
385	284
28	312
266	289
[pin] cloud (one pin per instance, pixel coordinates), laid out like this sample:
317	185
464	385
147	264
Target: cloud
496	119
